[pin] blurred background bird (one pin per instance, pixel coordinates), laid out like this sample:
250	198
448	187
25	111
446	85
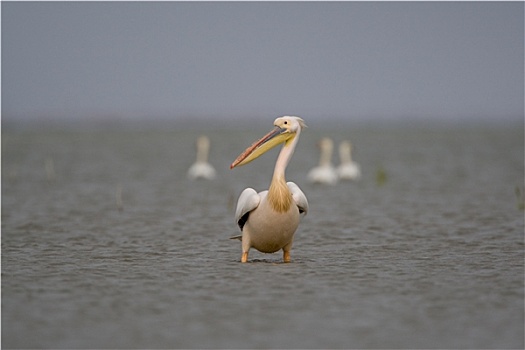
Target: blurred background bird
325	172
201	169
348	169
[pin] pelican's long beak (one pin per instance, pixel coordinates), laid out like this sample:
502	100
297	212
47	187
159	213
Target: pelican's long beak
267	142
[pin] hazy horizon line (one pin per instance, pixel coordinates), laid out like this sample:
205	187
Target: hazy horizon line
115	121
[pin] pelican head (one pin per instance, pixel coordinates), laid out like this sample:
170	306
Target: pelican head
326	142
284	131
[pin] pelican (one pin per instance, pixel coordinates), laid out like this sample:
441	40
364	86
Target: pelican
324	173
269	219
348	169
201	169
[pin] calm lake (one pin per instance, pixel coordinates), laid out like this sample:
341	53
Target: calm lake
107	244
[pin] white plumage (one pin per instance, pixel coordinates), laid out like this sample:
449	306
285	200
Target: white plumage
325	173
348	169
201	169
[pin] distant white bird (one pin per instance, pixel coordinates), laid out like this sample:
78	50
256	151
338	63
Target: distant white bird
268	219
348	169
201	169
325	173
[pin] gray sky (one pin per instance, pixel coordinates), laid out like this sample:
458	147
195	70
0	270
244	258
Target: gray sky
349	60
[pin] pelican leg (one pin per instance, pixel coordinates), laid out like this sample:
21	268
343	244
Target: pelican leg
245	246
286	252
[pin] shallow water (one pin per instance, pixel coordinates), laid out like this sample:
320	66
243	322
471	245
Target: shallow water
432	257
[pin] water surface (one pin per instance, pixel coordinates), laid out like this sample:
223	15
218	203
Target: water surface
432	257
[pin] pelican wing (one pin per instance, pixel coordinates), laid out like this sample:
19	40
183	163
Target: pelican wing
248	201
298	197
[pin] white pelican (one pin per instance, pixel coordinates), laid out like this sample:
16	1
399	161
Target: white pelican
348	169
324	173
201	169
268	219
